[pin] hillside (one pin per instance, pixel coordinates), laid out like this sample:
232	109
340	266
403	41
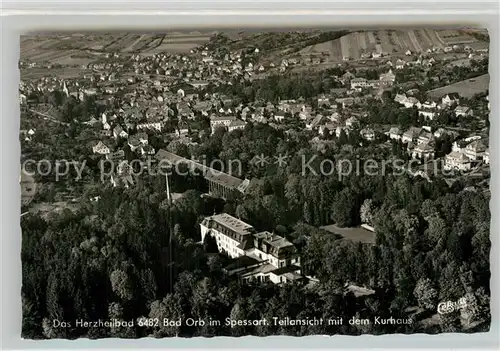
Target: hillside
396	42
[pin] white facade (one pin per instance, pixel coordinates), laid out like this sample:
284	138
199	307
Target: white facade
275	258
457	160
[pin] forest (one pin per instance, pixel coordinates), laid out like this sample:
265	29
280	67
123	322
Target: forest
128	254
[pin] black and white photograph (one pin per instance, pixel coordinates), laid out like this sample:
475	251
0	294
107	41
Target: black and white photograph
291	182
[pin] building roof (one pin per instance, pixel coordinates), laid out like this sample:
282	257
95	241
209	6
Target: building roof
424	147
233	223
210	174
477	145
395	130
222	118
458	156
273	239
237	123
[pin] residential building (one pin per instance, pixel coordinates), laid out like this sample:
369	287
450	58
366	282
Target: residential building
423	151
486	156
351	122
411	135
394	133
367	134
463	111
236	124
150	125
221	121
100	148
475	150
272	257
457	160
428	114
429	105
279	117
359	83
118	132
388	78
425	137
450	99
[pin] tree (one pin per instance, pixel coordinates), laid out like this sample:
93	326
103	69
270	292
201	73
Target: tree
366	211
168	309
120	284
210	244
148	285
345	210
425	294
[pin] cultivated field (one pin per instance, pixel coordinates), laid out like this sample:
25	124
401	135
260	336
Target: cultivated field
466	88
391	42
69	49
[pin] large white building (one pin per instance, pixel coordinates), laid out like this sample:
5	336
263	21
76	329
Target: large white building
269	257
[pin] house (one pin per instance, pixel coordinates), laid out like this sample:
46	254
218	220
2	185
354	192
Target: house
427	113
423	151
314	122
463	111
475	150
486	156
339	130
134	143
326	129
150	125
116	156
347	77
359	83
400	64
323	100
220	121
279	117
457	160
345	102
394	133
408	102
118	132
450	99
367	134
147	150
236	124
100	148
388	78
440	132
425	138
181	132
400	98
273	258
123	175
408	53
411	101
351	122
429	105
411	135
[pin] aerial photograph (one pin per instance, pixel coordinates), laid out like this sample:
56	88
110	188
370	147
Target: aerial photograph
237	183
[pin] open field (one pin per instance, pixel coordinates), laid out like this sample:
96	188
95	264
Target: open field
397	42
63	72
356	234
78	48
452	37
466	88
